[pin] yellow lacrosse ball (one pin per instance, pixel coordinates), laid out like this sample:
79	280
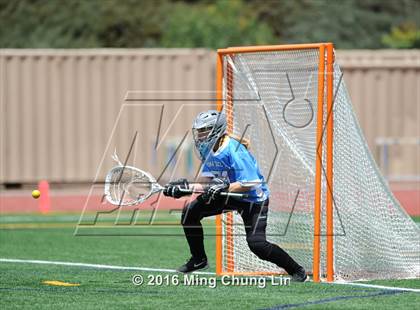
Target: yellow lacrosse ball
36	193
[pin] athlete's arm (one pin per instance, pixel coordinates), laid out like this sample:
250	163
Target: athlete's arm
201	183
238	187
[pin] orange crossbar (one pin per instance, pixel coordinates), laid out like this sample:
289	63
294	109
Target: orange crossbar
330	128
268	48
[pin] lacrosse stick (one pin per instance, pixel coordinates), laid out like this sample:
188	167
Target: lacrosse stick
128	186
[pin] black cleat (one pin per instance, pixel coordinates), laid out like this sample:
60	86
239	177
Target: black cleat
193	265
300	275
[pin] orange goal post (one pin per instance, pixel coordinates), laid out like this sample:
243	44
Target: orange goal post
329	203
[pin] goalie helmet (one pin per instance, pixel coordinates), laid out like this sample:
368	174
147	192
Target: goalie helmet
207	128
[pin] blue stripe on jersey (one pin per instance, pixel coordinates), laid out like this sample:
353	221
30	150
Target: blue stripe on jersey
234	162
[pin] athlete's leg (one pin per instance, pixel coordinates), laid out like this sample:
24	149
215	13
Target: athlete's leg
192	214
255	220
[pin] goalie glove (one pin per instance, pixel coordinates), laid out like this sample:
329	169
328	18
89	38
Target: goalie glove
215	188
174	188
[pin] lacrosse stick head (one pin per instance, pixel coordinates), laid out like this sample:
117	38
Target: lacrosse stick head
127	186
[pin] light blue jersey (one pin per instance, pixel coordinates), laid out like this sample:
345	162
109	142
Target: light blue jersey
234	162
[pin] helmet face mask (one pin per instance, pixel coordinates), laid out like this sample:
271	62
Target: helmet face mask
207	128
201	134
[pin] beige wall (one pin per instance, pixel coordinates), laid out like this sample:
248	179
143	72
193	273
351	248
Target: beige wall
384	87
59	107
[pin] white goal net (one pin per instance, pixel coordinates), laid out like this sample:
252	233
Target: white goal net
271	98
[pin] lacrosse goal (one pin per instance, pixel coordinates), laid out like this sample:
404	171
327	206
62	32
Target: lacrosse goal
330	208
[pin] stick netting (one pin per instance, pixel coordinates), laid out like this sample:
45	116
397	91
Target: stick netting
127	185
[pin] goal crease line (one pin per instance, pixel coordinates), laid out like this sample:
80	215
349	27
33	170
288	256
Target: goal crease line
392	288
114	267
97	266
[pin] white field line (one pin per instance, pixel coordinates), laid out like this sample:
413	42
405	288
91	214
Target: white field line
392	288
98	266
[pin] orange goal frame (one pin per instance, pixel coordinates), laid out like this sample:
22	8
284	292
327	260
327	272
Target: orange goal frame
325	101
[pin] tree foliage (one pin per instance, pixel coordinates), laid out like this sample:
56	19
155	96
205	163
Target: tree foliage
347	23
219	24
207	23
404	36
81	23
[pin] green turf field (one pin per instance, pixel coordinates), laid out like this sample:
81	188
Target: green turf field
51	238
